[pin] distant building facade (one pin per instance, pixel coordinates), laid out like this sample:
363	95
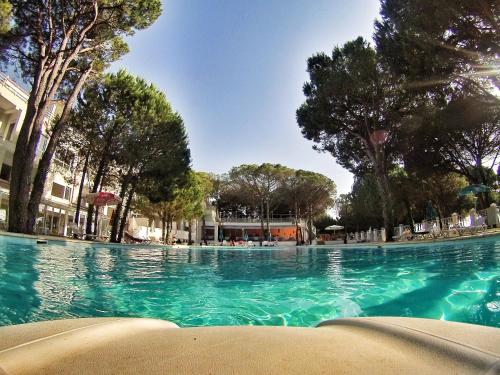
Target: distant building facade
59	199
58	205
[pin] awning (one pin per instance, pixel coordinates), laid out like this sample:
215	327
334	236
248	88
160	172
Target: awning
334	227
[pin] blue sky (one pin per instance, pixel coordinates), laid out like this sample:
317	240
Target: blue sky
234	70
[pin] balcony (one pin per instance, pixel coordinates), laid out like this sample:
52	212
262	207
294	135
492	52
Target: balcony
254	221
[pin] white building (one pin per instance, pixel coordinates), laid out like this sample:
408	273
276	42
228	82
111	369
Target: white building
59	199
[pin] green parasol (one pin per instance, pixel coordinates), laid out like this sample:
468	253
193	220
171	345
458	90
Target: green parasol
474	189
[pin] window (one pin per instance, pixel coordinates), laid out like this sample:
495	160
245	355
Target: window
43	143
58	190
67	193
12	126
5	172
66	157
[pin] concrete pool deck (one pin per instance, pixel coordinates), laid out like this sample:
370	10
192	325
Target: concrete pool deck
488	233
347	346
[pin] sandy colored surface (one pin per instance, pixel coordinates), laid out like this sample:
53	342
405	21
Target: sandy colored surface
343	346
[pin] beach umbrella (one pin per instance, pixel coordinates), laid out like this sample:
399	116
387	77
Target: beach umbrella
334	227
474	189
102	198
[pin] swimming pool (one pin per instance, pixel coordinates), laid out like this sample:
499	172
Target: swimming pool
457	280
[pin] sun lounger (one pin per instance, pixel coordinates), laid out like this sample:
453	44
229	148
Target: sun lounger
131	239
423	230
478	223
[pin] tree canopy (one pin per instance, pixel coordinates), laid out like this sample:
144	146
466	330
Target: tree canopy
419	108
133	134
353	110
441	44
56	45
5	14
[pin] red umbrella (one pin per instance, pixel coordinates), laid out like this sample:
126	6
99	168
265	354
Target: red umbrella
102	199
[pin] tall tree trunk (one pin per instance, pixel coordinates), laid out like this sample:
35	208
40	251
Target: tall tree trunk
410	214
80	191
267	220
100	172
96	221
30	156
95	187
309	226
90	219
116	218
44	164
163	225
151	223
261	222
123	221
189	231
203	230
296	224
23	161
169	227
50	71
21	175
387	203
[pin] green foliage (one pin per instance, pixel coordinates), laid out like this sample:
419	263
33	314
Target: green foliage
313	193
193	196
462	137
256	185
417	113
125	120
131	132
440	45
352	107
56	45
353	110
77	32
5	15
323	221
187	201
361	208
255	190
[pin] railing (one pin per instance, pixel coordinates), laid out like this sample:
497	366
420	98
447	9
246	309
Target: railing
471	223
446	227
13	87
272	219
372	235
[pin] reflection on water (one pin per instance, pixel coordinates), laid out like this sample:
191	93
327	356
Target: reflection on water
212	286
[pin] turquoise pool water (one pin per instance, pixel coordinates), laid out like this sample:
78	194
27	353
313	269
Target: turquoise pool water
456	280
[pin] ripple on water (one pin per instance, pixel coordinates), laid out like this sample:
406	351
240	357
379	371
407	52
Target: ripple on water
299	287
